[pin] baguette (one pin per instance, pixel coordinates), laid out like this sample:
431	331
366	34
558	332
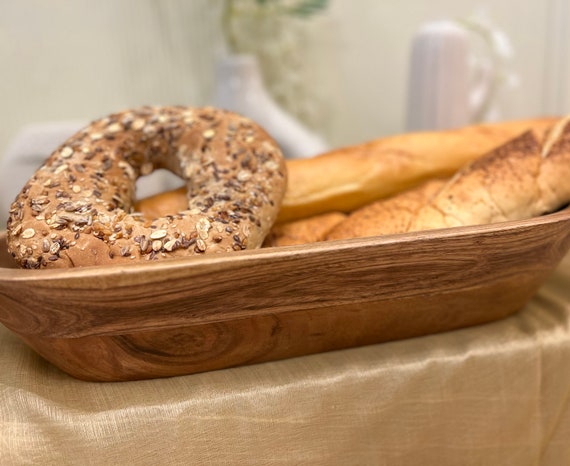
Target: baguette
304	231
521	179
348	178
386	216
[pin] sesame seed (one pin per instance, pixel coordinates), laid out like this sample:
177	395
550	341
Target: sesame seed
146	168
272	165
158	234
243	175
209	133
200	245
202	227
138	124
114	128
61	168
170	245
66	152
28	233
149	131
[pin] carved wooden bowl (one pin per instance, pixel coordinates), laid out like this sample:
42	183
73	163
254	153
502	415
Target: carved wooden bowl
148	320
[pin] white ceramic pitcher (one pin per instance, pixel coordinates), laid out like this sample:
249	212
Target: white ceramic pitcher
445	89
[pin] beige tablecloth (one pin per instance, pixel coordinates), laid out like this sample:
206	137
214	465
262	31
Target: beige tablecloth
498	394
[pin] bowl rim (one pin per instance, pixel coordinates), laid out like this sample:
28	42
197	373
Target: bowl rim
244	257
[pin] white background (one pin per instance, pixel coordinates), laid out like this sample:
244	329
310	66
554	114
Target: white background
80	59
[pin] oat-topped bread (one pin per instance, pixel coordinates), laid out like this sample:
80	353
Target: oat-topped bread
77	209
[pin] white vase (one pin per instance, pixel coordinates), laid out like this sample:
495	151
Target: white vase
240	88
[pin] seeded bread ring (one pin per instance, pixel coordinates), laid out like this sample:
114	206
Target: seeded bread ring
77	209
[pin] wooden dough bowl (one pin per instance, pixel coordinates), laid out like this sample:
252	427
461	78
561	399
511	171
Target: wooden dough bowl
160	319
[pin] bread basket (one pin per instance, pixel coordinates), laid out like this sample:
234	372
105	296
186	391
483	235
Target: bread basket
160	319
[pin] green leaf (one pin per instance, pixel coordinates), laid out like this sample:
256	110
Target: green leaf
308	8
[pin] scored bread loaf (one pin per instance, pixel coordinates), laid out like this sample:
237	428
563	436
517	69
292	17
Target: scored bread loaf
348	178
520	179
386	216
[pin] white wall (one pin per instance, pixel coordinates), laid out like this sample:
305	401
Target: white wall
79	59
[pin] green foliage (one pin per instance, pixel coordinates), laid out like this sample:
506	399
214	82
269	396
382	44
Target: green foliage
301	9
263	11
308	8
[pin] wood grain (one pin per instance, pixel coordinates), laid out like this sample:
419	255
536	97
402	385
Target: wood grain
185	316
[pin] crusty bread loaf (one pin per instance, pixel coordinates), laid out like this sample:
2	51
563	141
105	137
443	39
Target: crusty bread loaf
348	178
386	216
351	177
161	204
304	231
520	179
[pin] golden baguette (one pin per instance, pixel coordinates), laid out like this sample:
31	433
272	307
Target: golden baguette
303	231
350	177
520	179
387	216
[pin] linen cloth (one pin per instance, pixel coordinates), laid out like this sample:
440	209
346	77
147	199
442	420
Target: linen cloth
496	394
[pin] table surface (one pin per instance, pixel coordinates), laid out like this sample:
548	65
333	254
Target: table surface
493	394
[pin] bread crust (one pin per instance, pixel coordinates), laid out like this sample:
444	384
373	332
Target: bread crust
351	177
77	209
304	231
387	216
522	178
